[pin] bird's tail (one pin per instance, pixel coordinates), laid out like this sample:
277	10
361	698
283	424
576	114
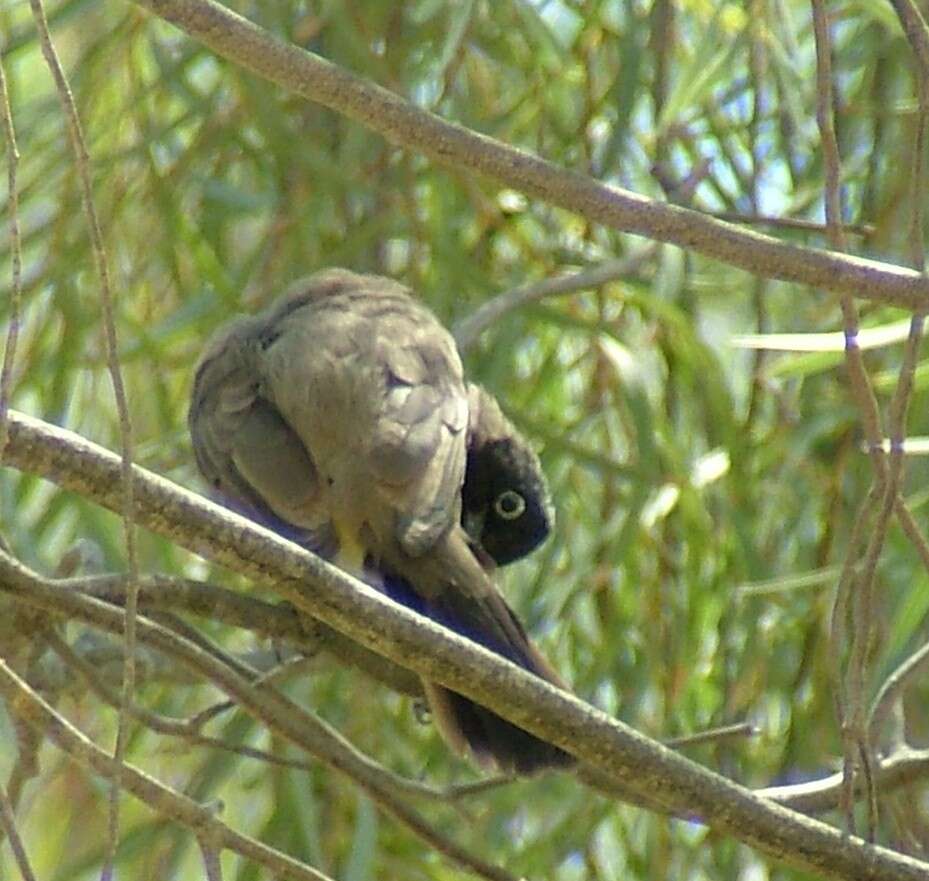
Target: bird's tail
469	727
481	614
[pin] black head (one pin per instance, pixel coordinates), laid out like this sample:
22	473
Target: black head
506	507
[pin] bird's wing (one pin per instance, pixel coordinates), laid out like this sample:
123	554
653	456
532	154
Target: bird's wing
373	385
248	454
421	431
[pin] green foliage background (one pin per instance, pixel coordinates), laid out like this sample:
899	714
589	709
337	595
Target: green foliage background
704	494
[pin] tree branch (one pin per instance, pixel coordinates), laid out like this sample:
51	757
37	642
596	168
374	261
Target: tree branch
276	621
467	331
816	796
255	49
319	589
275	710
160	798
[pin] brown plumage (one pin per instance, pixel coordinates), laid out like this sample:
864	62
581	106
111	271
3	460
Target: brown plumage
340	416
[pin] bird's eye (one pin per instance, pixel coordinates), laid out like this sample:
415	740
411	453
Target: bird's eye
509	505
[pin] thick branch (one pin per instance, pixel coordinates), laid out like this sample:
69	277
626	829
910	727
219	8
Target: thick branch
321	590
401	123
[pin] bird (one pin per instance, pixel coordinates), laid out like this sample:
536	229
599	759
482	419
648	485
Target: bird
506	503
340	417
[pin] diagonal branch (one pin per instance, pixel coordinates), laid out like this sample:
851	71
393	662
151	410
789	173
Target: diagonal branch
160	798
468	330
276	711
401	123
321	590
276	621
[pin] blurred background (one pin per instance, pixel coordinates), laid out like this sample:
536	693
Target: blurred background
704	492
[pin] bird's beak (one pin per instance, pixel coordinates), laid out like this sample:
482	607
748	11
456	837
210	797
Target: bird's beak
474	527
473	522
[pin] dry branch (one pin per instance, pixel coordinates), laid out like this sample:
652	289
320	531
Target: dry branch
255	49
816	796
276	621
319	589
281	715
162	799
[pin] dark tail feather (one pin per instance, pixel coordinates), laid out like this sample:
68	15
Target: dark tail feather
493	741
468	727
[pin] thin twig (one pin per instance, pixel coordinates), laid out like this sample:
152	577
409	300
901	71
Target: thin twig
918	175
278	712
8	822
855	587
917	33
16	255
82	161
912	531
860	727
26	767
467	331
904	767
276	621
210	853
864	606
167	802
188	729
476	787
858	229
898	409
713	735
199	639
918	36
893	687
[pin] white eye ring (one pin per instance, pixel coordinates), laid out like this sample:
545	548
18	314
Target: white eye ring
509	505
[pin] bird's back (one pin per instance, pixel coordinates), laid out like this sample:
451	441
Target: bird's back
380	405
